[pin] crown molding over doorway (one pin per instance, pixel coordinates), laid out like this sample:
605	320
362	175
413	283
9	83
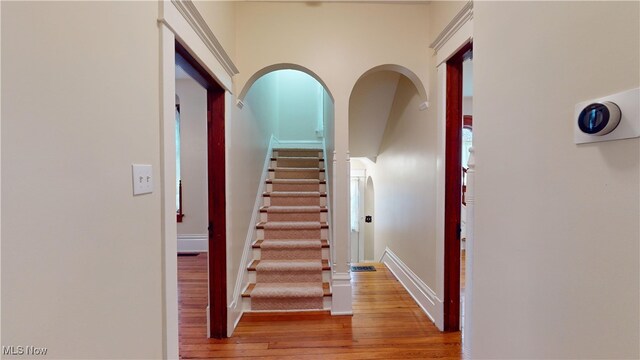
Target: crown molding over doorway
189	11
458	31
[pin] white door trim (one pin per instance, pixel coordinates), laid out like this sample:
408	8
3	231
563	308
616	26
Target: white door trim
189	27
459	32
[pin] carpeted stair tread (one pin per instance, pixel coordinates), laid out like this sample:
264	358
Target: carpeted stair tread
274	243
295	181
295	194
326	289
296	158
298	152
291	244
295	169
293	209
287	290
289	265
294	225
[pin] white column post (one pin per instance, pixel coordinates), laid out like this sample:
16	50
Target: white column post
341	303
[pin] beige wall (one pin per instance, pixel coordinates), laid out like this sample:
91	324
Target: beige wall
81	255
444	12
193	157
559	277
369	107
325	37
248	135
404	178
369	228
221	18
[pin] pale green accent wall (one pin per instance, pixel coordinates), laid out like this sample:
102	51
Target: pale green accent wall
299	105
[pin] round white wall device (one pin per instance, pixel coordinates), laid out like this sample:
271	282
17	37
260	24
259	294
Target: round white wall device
599	118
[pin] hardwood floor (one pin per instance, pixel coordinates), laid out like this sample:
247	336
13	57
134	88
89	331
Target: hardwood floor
387	324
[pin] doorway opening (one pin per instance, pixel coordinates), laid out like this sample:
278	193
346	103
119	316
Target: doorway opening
356	240
209	174
454	186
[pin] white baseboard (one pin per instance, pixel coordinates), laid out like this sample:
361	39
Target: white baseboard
341	294
419	291
193	243
236	309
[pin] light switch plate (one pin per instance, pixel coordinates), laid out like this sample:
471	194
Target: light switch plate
142	179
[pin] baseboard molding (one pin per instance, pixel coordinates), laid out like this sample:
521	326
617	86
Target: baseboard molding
235	309
419	291
193	243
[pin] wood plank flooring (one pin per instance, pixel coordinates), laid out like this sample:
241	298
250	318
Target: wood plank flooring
387	324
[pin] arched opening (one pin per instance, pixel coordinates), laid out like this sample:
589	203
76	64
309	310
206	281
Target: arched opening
282	66
292	104
395	140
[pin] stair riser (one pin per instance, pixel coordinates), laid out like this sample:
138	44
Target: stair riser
246	304
291	234
296	187
298	163
301	174
297	153
322	217
297	254
288	276
257	253
326	276
294	201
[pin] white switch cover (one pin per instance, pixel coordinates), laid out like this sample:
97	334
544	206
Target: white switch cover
142	179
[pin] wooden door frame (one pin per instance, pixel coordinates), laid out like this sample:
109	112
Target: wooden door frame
217	249
453	188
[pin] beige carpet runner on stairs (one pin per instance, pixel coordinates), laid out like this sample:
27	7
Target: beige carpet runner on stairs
289	271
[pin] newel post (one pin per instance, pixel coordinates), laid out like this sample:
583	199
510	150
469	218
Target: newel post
468	288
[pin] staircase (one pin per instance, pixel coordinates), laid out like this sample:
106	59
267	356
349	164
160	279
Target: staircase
290	270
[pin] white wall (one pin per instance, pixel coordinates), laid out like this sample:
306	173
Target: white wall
369	229
81	255
369	107
248	135
193	157
467	105
404	177
559	278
